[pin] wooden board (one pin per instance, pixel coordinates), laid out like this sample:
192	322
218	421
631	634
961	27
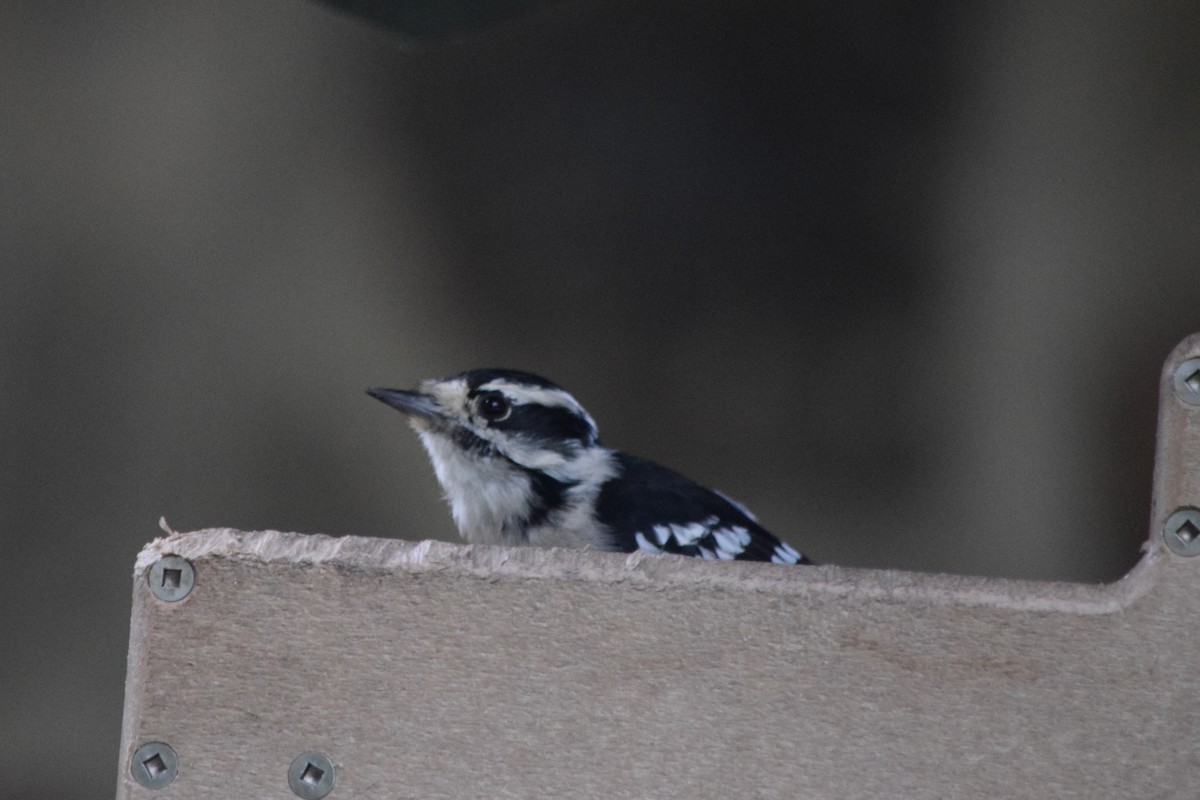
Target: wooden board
432	670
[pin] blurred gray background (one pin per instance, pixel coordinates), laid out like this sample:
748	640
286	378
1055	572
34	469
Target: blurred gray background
899	276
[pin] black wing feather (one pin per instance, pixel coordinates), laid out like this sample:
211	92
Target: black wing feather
650	507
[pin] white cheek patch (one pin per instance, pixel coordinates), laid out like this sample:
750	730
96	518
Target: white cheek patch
529	455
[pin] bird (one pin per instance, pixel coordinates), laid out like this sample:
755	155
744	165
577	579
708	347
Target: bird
520	462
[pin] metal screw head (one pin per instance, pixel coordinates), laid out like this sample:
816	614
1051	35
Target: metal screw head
311	775
154	765
1187	381
171	578
1181	532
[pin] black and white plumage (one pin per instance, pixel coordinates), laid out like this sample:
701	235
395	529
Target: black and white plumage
521	464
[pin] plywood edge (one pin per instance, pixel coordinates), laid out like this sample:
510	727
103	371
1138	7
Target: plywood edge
656	572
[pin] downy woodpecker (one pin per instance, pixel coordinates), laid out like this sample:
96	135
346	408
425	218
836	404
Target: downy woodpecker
521	464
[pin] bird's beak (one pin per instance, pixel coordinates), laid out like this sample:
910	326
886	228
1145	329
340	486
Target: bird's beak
415	404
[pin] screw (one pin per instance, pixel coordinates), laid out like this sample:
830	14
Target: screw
311	775
154	765
1187	381
171	578
1182	532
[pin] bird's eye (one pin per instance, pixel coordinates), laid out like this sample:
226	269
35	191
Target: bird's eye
494	407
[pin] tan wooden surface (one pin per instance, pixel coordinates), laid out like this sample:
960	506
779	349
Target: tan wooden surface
432	670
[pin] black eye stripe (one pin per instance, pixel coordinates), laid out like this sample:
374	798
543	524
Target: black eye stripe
548	424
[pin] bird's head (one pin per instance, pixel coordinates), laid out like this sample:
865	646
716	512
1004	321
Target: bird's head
497	415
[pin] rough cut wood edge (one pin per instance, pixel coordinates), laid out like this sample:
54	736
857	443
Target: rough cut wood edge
355	552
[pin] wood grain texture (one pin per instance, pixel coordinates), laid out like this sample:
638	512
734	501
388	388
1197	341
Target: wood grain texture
432	670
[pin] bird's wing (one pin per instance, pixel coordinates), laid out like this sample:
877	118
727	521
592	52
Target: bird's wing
651	508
